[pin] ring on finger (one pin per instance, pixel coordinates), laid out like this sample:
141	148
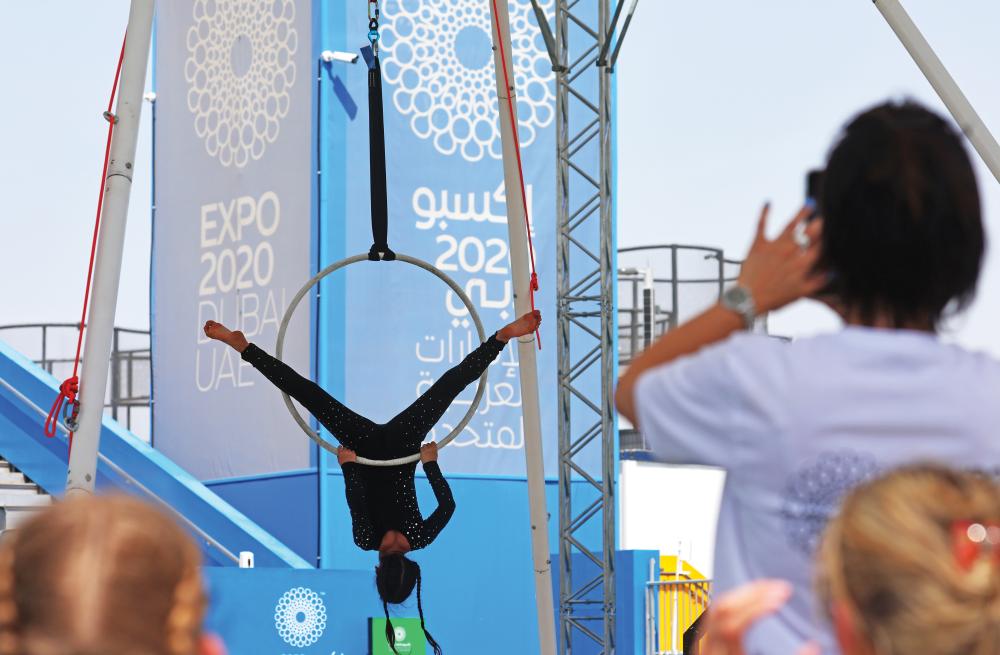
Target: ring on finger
800	236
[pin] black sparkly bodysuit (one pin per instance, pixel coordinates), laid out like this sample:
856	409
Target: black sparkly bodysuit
383	498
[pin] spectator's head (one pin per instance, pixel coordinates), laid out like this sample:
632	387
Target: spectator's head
912	565
902	231
101	576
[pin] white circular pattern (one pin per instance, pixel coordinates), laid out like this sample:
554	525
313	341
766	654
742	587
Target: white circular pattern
300	617
438	55
240	68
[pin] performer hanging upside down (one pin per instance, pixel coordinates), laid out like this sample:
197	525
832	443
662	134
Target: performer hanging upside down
383	499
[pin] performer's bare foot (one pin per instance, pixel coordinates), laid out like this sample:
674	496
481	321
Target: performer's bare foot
521	327
232	338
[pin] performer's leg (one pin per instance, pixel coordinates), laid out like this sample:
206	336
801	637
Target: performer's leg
411	425
349	428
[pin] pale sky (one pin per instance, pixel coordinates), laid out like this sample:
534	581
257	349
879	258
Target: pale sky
58	63
722	105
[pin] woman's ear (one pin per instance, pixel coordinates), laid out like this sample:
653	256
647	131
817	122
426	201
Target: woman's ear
210	644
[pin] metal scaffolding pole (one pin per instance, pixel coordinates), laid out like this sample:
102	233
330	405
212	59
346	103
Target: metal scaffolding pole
942	81
111	243
586	327
527	365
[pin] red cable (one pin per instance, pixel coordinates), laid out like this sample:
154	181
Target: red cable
520	171
70	387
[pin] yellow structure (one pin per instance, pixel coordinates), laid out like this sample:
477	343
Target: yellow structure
682	596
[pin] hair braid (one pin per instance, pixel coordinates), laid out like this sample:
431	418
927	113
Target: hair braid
390	634
185	616
8	602
420	609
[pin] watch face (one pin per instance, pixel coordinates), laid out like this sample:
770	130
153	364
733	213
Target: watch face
737	296
739	300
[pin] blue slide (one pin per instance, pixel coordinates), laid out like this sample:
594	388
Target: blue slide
126	464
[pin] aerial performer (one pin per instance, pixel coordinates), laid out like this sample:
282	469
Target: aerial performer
383	499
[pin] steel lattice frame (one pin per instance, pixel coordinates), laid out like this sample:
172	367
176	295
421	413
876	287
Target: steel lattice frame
586	325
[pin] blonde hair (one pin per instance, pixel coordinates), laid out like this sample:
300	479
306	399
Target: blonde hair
100	576
889	557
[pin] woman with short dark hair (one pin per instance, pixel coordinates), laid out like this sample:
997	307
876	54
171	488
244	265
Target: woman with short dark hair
897	246
902	232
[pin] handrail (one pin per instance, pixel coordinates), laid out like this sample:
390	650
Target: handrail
129	479
675	603
671	246
126	364
714	253
674	583
667	280
25	326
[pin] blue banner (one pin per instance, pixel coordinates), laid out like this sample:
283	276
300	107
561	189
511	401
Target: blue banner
447	206
232	228
277	611
316	612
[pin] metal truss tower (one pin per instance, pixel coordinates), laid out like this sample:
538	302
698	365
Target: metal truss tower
584	61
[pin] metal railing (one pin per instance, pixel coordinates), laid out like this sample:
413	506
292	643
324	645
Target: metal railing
672	610
650	304
50	345
128	480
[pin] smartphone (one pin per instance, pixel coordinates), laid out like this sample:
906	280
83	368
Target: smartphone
814	196
814	192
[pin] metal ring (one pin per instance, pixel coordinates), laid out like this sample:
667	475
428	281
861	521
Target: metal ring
419	263
800	236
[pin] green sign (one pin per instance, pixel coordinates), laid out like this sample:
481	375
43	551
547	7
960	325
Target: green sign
409	637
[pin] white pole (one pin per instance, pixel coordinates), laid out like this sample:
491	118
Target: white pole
651	614
519	265
675	593
935	72
111	242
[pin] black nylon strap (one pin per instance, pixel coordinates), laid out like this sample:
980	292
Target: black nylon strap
376	140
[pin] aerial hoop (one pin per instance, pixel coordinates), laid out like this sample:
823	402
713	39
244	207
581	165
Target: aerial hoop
419	263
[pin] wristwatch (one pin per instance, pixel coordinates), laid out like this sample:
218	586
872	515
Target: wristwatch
739	300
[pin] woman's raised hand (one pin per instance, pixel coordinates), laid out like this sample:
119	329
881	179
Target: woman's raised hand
732	614
782	271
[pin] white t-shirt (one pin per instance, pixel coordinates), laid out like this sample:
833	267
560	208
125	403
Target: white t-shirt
795	425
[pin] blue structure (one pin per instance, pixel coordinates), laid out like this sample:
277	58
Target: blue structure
478	586
126	464
446	205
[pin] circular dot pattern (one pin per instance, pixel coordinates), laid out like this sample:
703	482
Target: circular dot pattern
300	617
240	70
444	79
813	494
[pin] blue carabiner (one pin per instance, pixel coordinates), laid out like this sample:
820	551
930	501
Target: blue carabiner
373	36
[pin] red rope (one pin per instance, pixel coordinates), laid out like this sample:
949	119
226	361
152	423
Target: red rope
520	169
70	387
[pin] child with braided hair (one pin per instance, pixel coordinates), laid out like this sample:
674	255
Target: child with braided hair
73	578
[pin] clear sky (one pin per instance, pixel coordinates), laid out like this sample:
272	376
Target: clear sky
721	106
58	61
